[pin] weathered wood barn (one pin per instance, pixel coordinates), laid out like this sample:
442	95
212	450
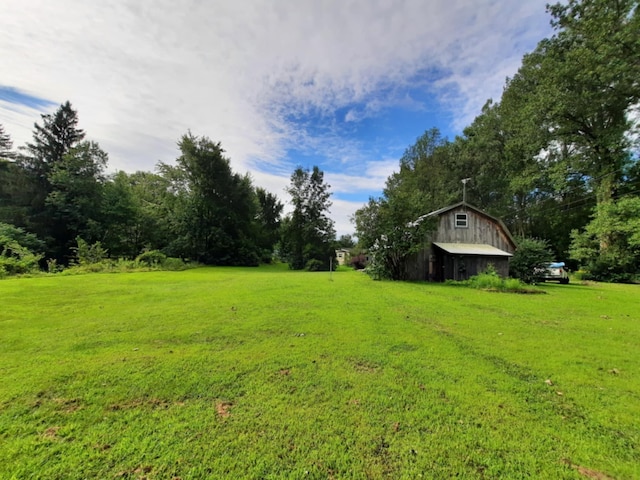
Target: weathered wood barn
465	242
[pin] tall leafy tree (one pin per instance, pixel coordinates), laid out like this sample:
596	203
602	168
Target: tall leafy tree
308	234
154	205
428	179
137	213
122	216
214	209
609	246
516	175
346	241
268	222
589	88
74	202
587	78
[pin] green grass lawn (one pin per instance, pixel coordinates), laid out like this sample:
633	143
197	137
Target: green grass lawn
268	373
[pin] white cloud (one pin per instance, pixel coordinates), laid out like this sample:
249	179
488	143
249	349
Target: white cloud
369	178
341	212
20	119
142	73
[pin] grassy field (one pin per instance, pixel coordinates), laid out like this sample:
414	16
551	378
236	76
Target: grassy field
267	373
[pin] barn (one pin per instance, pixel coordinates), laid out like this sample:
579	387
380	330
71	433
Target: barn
465	242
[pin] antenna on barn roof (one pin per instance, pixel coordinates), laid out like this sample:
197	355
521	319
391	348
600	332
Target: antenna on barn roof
464	189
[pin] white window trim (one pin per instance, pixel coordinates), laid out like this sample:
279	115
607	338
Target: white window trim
458	220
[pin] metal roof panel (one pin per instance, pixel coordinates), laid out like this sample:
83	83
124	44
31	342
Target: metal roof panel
472	249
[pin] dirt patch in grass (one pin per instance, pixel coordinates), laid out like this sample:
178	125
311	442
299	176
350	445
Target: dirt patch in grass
589	473
51	433
139	472
223	409
68	405
153	403
365	366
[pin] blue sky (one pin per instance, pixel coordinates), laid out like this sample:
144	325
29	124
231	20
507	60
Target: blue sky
346	85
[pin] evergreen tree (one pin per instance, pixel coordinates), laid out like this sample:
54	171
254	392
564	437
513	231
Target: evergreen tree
268	222
5	144
51	141
308	234
12	183
39	160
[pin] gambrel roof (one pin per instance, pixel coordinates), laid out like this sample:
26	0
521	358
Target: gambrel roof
437	213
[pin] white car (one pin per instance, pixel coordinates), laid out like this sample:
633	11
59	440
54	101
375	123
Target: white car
553	271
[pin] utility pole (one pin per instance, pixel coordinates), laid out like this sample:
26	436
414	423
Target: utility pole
331	269
464	189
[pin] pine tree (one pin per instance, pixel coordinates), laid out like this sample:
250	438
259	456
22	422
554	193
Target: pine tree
5	144
308	233
51	141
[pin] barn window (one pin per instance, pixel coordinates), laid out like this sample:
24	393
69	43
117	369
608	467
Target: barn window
461	220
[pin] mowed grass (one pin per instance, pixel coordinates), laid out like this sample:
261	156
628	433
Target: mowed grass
268	373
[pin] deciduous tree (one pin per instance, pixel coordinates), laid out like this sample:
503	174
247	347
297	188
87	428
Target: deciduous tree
73	205
609	246
215	208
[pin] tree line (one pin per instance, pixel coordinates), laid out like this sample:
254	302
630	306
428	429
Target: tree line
56	197
556	158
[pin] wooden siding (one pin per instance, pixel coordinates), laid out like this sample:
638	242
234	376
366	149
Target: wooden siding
480	229
417	265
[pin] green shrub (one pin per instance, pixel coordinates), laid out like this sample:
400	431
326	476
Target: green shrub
87	254
125	265
52	265
16	259
151	257
266	256
513	285
487	281
530	254
491	281
358	262
175	264
11	233
17	248
314	265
